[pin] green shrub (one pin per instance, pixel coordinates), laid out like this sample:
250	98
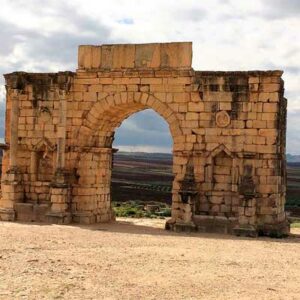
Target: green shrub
295	225
135	209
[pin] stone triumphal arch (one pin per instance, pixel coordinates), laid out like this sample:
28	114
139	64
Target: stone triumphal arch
228	131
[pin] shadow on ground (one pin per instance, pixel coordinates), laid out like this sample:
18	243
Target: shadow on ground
131	227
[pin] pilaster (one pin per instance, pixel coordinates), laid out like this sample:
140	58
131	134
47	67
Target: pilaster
11	184
60	188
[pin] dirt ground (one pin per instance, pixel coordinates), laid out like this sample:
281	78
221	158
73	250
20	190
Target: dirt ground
137	259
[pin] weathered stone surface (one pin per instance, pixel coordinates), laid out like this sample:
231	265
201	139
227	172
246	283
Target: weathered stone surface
129	56
147	56
227	127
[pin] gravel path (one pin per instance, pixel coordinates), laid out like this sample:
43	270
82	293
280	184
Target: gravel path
132	260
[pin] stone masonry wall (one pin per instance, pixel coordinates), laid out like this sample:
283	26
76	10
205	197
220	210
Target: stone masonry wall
228	130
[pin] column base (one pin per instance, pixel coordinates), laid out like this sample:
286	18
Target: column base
28	212
85	218
59	218
279	230
7	214
245	230
180	226
215	224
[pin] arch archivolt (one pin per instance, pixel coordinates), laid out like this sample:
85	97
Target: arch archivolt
108	113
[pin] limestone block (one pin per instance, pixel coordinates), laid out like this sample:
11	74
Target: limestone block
274	97
109	88
144	88
174	107
267	132
83	52
77	121
195	106
105	80
268	97
269	116
215	209
225	105
259	124
224	208
222	178
96	57
59	207
271	140
213	139
258	140
213	131
269	149
195	97
271	124
190	124
164	73
271	87
273	180
167	55
101	95
176	55
151	81
253	96
270	107
123	56
106	57
90	96
168	88
253	80
216	199
191	138
58	199
254	87
181	80
84	82
222	187
267	210
204	207
95	88
246	106
238	124
267	189
147	56
205	116
192	116
132	87
250	211
126	80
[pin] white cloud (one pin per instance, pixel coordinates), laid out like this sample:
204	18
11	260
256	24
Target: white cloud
144	129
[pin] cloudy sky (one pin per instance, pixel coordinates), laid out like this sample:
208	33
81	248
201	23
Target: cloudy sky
42	36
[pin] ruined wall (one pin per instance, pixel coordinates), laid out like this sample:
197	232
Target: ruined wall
228	130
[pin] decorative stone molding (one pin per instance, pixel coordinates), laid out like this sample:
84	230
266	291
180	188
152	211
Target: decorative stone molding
222	119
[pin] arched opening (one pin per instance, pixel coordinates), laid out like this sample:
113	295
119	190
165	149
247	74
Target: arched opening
92	192
142	174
